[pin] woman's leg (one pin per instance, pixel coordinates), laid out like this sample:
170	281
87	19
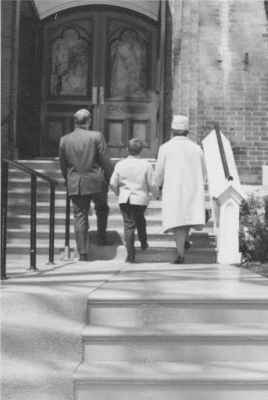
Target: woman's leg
181	233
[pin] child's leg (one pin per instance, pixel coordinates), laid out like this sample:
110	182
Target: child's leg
141	225
129	229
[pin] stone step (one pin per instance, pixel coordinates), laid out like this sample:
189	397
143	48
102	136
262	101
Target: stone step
22	230
199	240
21	206
114	220
19	192
116	309
158	251
15	183
172	381
21	209
189	343
21	202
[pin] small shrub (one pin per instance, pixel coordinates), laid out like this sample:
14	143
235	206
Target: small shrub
253	233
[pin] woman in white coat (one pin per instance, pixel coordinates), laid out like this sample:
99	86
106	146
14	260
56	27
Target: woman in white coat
180	173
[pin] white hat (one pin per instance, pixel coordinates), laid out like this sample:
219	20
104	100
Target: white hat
180	123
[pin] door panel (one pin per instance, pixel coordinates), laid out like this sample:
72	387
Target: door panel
104	61
129	107
68	76
70	72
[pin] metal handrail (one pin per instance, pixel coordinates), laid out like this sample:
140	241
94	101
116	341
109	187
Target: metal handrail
4	199
31	171
225	165
67	252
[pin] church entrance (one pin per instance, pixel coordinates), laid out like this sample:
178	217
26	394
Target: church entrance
105	60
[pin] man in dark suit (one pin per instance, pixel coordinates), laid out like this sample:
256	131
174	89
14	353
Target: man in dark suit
86	169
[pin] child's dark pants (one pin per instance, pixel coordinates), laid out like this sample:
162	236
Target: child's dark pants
133	217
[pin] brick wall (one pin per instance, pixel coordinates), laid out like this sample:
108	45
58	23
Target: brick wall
221	75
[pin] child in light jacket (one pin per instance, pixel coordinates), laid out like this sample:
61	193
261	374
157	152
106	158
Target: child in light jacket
132	181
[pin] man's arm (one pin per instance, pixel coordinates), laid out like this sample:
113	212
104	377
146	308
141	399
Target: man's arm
63	161
104	158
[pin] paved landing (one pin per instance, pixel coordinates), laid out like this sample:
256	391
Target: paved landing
43	313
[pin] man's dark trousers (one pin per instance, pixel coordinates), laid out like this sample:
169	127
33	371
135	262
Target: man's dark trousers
133	217
81	205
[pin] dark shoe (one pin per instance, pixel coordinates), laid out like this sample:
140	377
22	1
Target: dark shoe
178	260
144	246
83	257
187	244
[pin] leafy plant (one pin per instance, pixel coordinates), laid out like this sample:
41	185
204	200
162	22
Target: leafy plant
253	233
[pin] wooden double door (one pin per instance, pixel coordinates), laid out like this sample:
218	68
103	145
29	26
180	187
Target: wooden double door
104	60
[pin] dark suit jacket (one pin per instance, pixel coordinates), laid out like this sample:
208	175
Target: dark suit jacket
84	162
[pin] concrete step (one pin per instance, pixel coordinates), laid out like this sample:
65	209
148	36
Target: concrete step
18	190
17	182
158	252
21	210
172	381
132	308
20	204
115	220
189	343
22	230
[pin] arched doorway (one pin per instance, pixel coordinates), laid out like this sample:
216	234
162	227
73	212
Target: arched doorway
104	59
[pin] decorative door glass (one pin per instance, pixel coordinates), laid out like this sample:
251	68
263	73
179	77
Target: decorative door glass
128	63
70	55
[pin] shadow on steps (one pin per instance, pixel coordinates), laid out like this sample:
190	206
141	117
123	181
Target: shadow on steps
199	253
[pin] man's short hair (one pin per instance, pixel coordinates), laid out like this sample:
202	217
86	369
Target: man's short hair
82	117
135	146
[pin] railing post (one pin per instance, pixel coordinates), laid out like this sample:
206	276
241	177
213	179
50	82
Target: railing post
4	203
51	223
67	253
33	224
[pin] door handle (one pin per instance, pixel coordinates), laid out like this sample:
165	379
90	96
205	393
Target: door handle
94	95
101	95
